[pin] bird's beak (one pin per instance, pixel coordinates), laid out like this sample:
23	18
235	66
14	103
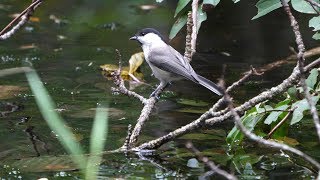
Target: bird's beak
133	38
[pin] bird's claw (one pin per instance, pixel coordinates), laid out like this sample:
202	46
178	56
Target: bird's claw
154	94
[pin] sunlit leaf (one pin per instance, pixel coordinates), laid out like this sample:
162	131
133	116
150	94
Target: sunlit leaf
180	6
212	2
312	78
249	120
177	26
202	16
266	6
303	6
316	36
315	23
301	106
135	62
273	116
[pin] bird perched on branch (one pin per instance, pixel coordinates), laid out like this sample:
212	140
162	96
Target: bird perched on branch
166	63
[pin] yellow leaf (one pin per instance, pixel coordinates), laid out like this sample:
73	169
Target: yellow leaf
135	62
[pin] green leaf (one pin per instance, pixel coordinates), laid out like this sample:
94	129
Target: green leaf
180	22
303	6
273	116
211	2
202	16
312	78
266	6
315	23
235	136
293	91
316	36
301	106
180	6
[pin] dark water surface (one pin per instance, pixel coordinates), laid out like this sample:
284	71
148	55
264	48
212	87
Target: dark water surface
67	56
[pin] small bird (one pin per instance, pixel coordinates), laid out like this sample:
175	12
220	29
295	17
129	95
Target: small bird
166	63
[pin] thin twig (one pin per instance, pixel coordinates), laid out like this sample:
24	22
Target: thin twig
301	61
244	78
280	123
24	15
210	164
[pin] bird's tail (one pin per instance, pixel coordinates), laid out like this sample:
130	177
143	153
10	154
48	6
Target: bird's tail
210	85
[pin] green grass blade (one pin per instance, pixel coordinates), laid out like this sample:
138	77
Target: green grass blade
54	120
98	138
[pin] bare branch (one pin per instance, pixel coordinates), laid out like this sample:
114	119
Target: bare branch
194	27
188	48
301	61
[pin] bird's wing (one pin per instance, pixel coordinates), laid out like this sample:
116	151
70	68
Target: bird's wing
172	61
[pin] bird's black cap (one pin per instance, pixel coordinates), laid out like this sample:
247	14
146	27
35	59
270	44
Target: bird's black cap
145	31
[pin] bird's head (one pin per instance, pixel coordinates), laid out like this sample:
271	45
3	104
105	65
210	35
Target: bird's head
148	36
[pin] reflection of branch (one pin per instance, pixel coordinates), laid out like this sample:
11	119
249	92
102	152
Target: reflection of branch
217	117
24	15
210	164
301	61
290	59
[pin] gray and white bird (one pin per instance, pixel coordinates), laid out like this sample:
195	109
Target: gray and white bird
166	63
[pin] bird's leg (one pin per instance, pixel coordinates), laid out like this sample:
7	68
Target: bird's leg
160	87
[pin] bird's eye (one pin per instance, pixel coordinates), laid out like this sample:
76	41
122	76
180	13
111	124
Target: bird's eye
143	33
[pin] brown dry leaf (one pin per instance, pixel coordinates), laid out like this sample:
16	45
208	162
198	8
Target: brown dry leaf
290	141
14	15
54	167
34	19
148	7
108	69
28	46
8	91
135	62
